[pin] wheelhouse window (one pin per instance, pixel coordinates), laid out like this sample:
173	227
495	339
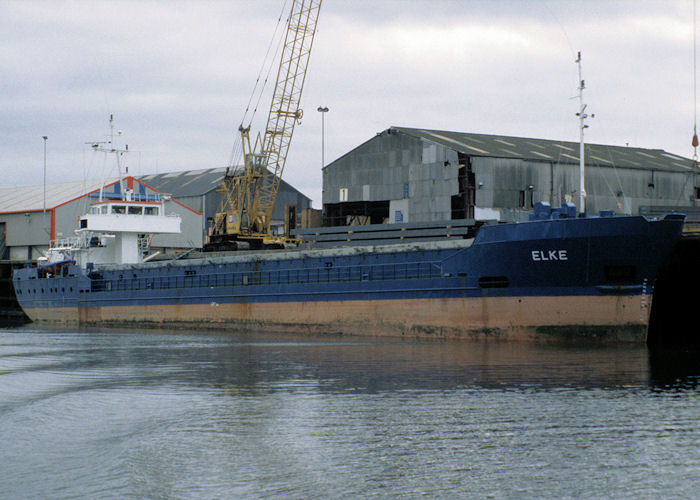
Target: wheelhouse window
150	210
135	210
118	209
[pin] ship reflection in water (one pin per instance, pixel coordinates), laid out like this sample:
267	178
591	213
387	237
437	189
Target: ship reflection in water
99	413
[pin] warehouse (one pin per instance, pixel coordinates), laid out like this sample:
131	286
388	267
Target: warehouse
416	175
32	216
198	190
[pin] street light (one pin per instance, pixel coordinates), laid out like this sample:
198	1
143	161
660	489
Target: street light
323	110
44	212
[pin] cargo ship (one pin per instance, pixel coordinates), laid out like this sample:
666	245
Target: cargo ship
556	278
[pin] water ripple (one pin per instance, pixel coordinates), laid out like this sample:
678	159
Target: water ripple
126	414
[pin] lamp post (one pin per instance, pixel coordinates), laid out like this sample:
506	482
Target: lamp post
323	110
44	211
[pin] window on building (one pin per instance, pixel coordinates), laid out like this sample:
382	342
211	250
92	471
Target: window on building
343	194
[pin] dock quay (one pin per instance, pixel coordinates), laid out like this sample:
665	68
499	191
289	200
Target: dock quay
673	319
692	215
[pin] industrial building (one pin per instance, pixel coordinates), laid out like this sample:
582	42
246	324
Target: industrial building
198	190
414	175
402	175
32	216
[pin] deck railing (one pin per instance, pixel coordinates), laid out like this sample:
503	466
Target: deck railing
213	279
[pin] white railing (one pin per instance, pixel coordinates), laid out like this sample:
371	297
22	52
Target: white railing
72	242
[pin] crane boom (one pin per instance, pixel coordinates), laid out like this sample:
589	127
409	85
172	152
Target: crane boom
248	197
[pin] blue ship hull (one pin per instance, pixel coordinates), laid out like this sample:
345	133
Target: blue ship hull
576	279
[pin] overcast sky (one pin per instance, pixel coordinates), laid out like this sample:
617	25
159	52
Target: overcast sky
177	76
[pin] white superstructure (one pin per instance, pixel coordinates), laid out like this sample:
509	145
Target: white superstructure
116	232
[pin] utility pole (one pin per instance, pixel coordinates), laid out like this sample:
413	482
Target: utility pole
323	110
44	211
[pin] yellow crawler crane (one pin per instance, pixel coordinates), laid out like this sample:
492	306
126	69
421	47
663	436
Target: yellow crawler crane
248	197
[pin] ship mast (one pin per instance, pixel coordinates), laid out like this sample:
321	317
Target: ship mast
110	147
582	126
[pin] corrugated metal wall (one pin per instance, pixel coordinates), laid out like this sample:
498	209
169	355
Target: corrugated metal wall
393	165
382	163
26	228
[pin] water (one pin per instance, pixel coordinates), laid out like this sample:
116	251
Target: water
129	414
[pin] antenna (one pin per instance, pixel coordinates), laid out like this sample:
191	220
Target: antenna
110	147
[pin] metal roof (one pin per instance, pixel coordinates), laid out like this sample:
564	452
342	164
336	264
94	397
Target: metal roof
185	183
178	184
31	198
191	182
501	146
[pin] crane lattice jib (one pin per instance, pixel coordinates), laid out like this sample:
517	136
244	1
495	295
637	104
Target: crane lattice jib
284	110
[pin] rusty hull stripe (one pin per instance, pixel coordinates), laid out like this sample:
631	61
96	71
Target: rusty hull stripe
613	318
